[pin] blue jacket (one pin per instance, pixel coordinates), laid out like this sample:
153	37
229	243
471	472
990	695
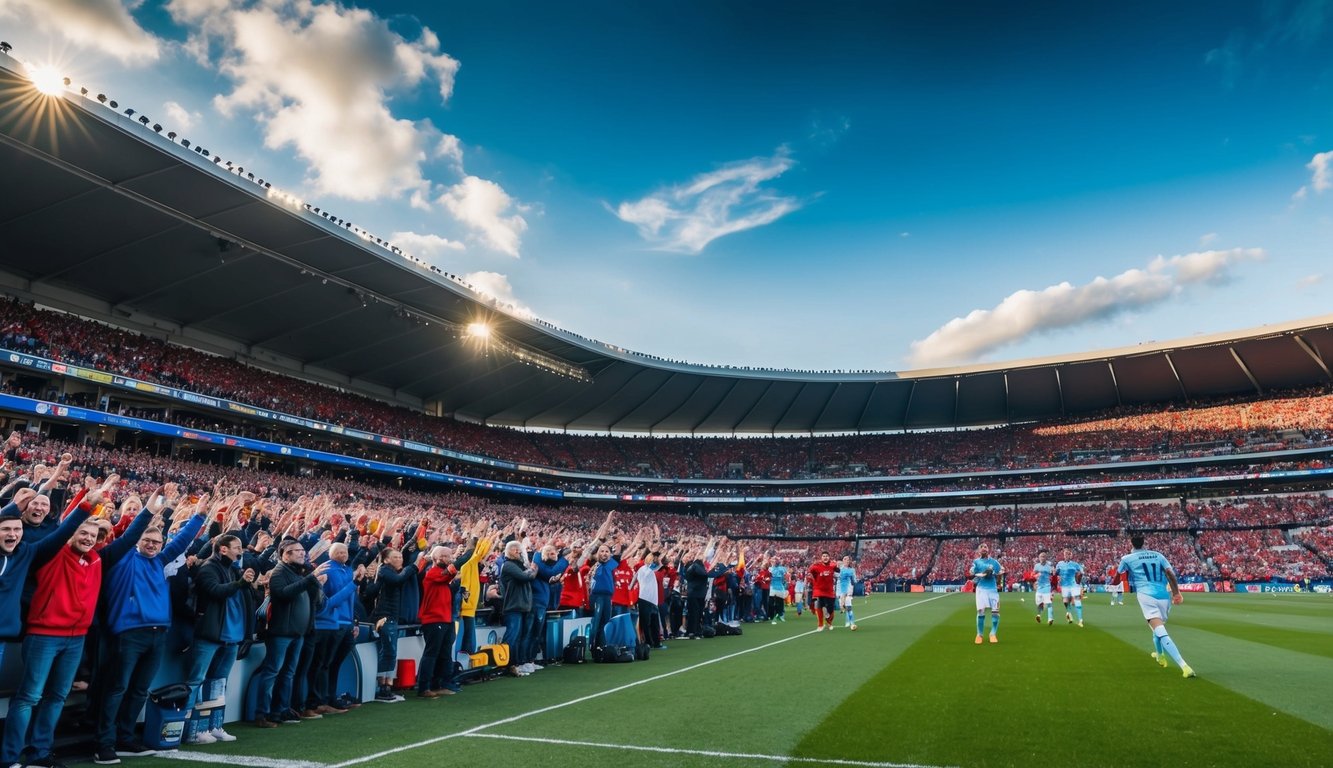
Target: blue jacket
338	611
541	586
136	586
26	557
604	581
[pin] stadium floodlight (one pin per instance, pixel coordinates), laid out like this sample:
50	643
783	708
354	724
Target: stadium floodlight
5	47
47	80
480	331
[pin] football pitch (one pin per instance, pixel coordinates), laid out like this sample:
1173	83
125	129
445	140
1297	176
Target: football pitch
908	689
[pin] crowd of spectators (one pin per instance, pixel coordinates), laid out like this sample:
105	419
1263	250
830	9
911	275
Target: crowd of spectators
1260	555
1221	428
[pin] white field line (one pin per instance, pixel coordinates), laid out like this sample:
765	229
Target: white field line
505	721
704	752
251	761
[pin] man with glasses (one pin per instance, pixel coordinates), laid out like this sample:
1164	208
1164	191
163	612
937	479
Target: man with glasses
138	618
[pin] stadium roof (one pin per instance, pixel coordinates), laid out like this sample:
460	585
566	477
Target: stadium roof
101	215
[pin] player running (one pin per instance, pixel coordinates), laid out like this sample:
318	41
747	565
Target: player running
846	586
1155	582
985	571
1070	572
1044	569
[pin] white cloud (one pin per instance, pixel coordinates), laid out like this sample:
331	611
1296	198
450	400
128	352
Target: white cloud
1309	281
179	117
105	26
1207	240
319	79
482	206
688	217
451	149
429	247
1321	175
496	286
1026	313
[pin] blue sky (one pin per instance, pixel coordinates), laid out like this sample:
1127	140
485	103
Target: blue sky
856	185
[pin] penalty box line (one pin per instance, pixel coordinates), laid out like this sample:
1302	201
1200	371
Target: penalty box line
705	752
543	710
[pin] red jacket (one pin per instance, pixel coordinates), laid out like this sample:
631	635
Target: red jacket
574	591
624	585
437	598
65	599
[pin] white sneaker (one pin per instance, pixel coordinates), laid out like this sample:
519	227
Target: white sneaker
201	738
221	735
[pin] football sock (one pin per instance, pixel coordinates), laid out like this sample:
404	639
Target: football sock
994	622
851	619
1157	643
1078	609
981	623
1050	612
1168	645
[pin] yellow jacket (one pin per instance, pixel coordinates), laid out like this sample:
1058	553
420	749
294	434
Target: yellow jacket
470	577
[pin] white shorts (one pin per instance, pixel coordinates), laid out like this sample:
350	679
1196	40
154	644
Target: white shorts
1114	588
1071	593
1153	607
1043	598
988	598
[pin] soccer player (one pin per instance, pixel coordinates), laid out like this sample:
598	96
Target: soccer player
985	572
822	575
1115	585
1070	572
846	586
1044	569
799	587
1155	582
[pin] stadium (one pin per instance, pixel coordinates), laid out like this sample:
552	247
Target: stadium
176	330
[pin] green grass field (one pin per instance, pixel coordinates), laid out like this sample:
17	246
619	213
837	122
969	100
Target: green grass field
909	688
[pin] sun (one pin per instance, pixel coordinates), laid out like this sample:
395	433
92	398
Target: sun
47	79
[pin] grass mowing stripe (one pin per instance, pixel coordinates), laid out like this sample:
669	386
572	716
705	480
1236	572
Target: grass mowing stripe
700	752
1313	643
603	694
1081	693
1289	681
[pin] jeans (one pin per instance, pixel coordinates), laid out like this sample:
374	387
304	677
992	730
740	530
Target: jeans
537	637
437	659
208	661
300	688
387	647
49	664
275	675
469	630
135	656
601	613
518	624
